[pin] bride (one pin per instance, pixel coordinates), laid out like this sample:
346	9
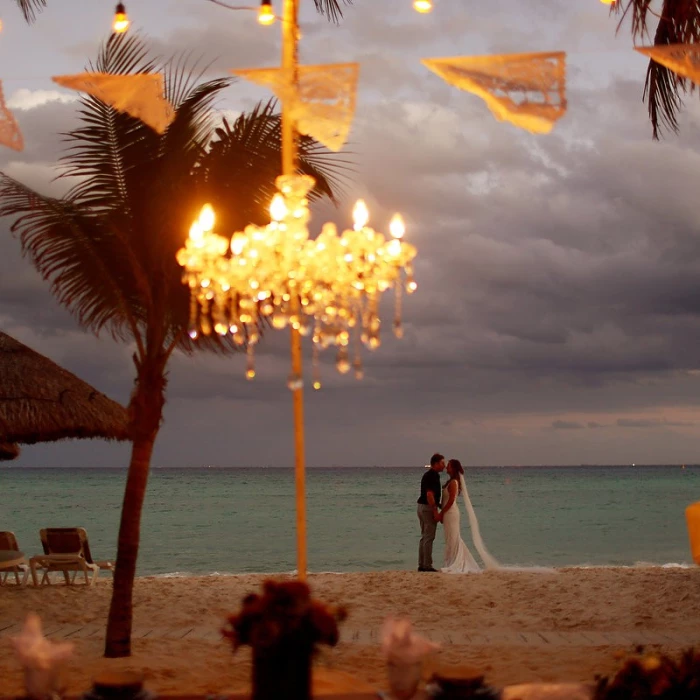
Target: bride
458	558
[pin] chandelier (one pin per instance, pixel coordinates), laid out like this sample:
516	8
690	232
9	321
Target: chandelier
328	288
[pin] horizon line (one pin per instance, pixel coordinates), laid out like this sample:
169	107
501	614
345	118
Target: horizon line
368	466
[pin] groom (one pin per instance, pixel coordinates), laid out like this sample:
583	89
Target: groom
428	511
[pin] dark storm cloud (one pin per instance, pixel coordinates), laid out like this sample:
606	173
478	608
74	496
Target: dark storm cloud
557	274
627	423
566	425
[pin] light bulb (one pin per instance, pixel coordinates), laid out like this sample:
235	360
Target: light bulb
423	6
360	215
278	208
265	14
397	228
207	217
121	21
608	2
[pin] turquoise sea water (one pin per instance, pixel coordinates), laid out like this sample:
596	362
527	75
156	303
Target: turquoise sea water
360	519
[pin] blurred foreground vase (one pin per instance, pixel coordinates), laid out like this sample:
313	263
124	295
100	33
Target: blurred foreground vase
119	685
42	684
41	659
283	671
692	517
283	626
403	679
405	652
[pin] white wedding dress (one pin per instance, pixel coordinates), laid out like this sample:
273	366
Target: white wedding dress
458	558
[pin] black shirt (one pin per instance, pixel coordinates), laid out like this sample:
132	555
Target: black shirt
430	482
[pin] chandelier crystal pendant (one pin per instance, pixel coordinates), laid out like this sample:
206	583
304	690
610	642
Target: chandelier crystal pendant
328	288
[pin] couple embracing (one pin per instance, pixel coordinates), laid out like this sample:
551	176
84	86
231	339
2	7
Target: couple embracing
438	504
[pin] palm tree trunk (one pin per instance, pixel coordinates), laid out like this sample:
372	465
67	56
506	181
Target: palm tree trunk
146	409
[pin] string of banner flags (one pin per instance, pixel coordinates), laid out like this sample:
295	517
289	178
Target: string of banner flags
528	90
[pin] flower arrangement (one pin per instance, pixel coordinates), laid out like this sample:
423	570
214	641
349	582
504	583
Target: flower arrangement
284	627
653	677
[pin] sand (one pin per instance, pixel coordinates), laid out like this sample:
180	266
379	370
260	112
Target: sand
515	627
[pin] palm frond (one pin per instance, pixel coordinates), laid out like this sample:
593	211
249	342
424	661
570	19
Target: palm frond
678	23
30	8
193	123
85	262
109	144
250	148
331	8
182	75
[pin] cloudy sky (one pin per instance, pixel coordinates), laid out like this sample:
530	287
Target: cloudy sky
556	320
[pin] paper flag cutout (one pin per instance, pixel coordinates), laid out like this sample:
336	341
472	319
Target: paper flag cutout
323	106
139	95
527	90
683	59
10	135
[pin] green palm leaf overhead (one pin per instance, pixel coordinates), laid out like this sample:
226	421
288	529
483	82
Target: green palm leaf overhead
677	22
30	8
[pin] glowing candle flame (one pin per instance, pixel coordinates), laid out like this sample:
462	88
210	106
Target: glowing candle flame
360	214
397	228
207	217
278	209
196	232
238	242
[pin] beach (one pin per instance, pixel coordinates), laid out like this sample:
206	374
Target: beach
515	627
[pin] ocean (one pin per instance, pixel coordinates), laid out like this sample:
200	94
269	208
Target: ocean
199	521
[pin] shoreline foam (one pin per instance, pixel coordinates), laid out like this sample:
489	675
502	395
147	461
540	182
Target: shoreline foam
508	568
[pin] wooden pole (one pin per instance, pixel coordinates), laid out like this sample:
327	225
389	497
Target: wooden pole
290	62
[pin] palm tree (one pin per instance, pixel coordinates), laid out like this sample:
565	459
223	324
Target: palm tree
678	23
108	246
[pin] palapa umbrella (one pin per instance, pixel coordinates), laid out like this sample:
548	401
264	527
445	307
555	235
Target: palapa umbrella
8	451
42	402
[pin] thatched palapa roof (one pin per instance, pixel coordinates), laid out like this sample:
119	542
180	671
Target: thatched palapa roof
8	451
42	402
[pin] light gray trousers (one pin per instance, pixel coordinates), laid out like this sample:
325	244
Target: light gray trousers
428	527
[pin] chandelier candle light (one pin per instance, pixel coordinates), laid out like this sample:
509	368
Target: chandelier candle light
328	288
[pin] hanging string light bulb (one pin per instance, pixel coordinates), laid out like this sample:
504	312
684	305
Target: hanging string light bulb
608	2
120	23
423	6
266	15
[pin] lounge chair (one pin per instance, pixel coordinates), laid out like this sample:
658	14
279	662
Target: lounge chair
16	566
66	549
